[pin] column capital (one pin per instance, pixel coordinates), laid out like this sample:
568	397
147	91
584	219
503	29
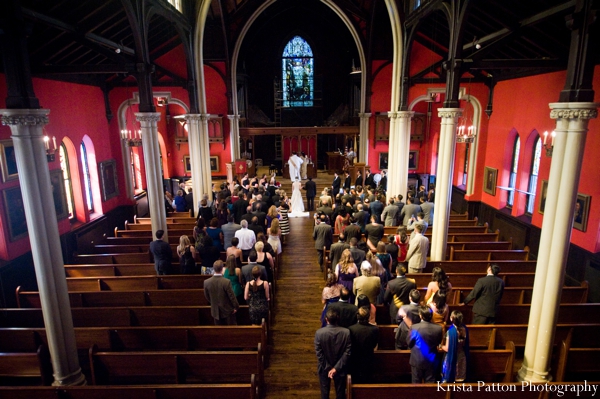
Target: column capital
573	110
192	117
232	117
405	114
204	117
147	116
24	117
365	115
450	112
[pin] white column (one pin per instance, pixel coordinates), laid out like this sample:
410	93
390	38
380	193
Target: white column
205	148
199	155
443	186
392	175
363	155
234	136
156	195
402	150
26	126
571	131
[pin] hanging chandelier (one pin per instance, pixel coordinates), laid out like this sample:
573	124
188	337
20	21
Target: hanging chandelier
131	137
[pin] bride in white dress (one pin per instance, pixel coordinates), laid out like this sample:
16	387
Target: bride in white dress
297	200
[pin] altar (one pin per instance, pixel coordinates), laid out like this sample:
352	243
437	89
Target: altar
311	171
335	162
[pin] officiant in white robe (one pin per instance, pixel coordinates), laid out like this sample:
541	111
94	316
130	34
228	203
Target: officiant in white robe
295	163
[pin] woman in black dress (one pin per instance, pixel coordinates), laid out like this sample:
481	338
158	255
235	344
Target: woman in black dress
256	294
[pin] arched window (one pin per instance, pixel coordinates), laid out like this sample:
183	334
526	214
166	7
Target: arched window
513	172
533	175
297	74
64	166
87	181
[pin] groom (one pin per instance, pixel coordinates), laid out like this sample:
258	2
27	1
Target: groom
294	162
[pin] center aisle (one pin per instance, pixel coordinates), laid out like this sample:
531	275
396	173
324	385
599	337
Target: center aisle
292	372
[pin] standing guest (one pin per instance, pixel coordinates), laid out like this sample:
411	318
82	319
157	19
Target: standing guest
284	222
439	309
388	217
413	222
427	208
376	207
330	294
323	236
335	252
208	252
219	294
187	256
234	274
205	211
346	309
256	227
169	201
392	249
383	181
409	210
374	232
336	184
332	345
397	292
346	271
325	198
222	212
362	217
179	202
162	253
304	167
424	339
417	251
272	214
408	316
247	269
365	338
265	259
353	230
239	207
454	364
246	238
358	255
342	220
402	240
487	294
267	247
380	271
234	251
257	295
359	180
274	234
384	258
363	302
189	200
347	181
439	283
229	230
215	232
199	229
366	284
311	192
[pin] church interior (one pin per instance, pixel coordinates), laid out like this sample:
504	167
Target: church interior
490	102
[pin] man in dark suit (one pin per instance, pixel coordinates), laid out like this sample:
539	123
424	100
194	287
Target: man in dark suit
311	192
357	254
220	296
240	207
383	181
262	216
359	179
423	342
365	338
332	345
347	182
392	249
326	210
369	181
397	292
247	269
163	254
487	293
409	315
376	208
256	227
346	311
189	200
323	236
361	217
353	230
335	186
335	252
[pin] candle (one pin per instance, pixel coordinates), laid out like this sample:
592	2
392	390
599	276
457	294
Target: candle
553	136
129	131
54	142
545	137
46	139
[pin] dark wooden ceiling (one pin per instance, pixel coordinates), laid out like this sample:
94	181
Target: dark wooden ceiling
92	42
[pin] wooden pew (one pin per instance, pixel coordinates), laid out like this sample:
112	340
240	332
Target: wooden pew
480	266
17	367
523	295
148	234
173	240
459	216
105	270
571	313
578	363
486	365
185	219
213	391
128	316
175	367
125	248
188	225
469	279
187	338
113	258
137	283
489	255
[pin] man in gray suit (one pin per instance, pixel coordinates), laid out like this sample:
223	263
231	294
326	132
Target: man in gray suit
409	210
419	220
247	270
417	251
427	208
388	217
335	253
229	230
332	345
487	293
423	342
220	296
323	236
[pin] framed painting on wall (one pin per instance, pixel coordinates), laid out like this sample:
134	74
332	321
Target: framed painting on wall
383	160
489	180
9	162
543	194
59	194
413	160
187	166
110	184
15	213
214	163
582	212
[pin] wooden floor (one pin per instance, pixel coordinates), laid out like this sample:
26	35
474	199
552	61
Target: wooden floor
292	372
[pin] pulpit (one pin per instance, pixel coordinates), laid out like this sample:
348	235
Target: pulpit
335	162
356	167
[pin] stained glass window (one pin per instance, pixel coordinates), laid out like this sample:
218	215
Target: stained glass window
87	182
512	183
64	166
533	177
297	74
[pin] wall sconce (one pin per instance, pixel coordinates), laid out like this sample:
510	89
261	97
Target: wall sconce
549	147
132	139
50	153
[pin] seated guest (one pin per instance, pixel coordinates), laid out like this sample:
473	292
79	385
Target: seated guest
365	338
